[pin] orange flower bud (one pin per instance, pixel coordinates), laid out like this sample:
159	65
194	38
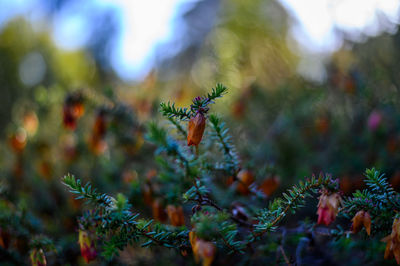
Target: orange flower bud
328	207
158	211
148	194
202	250
73	109
245	178
88	249
270	185
175	215
196	128
38	258
96	141
362	218
393	242
69	119
18	140
31	123
78	109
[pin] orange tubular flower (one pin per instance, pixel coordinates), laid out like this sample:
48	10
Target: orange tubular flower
38	258
202	250
196	128
148	193
31	123
393	242
328	207
362	218
245	178
270	185
158	211
88	249
96	141
175	215
73	109
18	141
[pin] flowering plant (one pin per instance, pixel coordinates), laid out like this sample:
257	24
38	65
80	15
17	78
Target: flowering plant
187	187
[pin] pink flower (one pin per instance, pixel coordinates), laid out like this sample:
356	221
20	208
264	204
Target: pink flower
328	207
374	120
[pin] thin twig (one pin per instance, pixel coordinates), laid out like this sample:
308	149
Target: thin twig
284	255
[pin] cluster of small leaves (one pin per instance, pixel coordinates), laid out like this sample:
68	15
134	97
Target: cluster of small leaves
380	200
196	192
293	199
170	146
178	126
199	104
43	242
214	225
221	135
169	110
87	192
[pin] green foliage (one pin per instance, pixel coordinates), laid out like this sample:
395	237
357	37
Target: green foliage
379	200
199	104
293	199
86	192
117	226
224	140
186	177
169	110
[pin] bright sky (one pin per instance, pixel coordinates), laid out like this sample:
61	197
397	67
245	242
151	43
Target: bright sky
143	25
317	20
146	23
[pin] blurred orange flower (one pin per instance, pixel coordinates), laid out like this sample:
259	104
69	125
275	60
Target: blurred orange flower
270	185
147	194
73	109
158	211
202	250
96	141
175	215
18	140
31	123
393	242
362	218
245	178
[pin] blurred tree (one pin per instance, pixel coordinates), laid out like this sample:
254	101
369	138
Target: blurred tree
30	64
